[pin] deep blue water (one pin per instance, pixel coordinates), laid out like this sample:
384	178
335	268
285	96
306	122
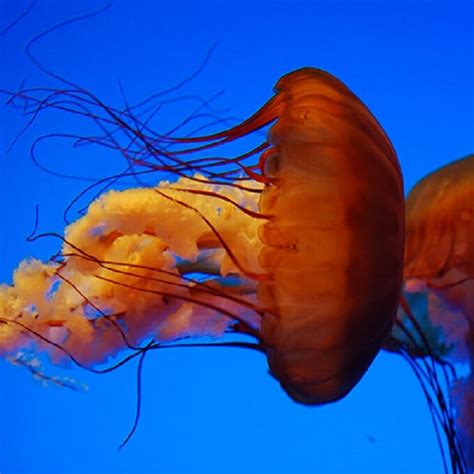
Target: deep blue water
217	410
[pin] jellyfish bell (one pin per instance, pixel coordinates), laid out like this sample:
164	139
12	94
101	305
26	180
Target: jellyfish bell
302	251
337	234
440	229
439	256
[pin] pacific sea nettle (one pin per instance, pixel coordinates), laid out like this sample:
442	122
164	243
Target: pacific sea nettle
302	251
439	282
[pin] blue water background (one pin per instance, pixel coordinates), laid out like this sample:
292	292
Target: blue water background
217	410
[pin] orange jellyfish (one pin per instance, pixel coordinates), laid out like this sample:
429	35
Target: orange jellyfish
302	251
439	281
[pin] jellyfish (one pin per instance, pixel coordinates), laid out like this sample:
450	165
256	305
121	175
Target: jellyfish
439	285
301	251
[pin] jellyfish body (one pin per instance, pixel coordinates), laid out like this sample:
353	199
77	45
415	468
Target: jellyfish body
439	257
306	257
440	207
439	272
334	247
